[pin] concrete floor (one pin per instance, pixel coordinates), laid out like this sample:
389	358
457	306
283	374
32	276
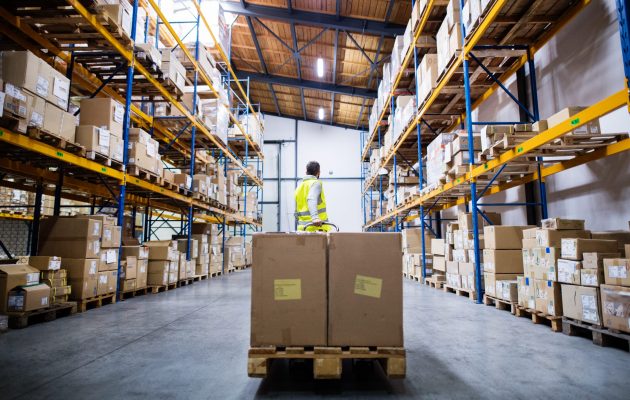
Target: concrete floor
191	343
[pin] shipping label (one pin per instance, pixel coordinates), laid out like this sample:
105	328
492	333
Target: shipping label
61	89
103	137
287	289
36	119
618	271
589	308
41	87
119	113
368	286
45	301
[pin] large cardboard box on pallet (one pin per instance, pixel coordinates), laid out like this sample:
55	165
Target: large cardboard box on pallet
616	307
617	271
503	261
142	272
490	281
364	289
94	139
12	275
82	277
28	298
104	112
503	237
288	306
581	303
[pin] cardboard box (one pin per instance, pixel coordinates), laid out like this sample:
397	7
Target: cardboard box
128	285
503	261
596	260
581	303
130	267
182	245
615	303
439	263
288	306
490	280
452	267
553	238
626	250
548	297
617	271
28	298
163	253
58	228
82	277
111	236
572	249
365	289
503	237
45	263
71	248
563	224
107	282
507	290
140	252
526	292
544	263
437	247
139	156
622	237
590	128
465	221
142	273
103	112
569	271
12	275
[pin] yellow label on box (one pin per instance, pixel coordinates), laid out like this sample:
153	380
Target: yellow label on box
368	286
287	289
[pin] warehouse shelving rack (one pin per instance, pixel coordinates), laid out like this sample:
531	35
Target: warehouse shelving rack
35	163
505	171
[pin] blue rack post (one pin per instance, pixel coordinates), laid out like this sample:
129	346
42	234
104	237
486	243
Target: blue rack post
391	130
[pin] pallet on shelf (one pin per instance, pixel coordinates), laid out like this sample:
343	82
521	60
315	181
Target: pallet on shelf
105	160
537	317
434	283
95	302
185	282
241	267
327	361
500	304
471	294
28	318
144	174
600	336
56	141
197	278
215	274
127	294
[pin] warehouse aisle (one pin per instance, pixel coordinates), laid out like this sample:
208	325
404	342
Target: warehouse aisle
191	343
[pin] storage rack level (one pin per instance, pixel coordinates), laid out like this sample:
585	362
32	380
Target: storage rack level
85	45
487	58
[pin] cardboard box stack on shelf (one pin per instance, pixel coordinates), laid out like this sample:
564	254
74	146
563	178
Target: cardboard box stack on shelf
52	275
120	14
457	155
251	126
100	128
144	154
135	266
163	262
185	266
436	161
449	36
21	290
248	204
412	252
88	247
235	252
503	260
214	247
232	189
35	95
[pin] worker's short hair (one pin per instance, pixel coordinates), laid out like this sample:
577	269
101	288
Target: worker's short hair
312	168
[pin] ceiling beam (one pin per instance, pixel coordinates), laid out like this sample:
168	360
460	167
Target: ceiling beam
358	25
306	84
252	31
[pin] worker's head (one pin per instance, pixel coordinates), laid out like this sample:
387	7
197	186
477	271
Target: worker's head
312	168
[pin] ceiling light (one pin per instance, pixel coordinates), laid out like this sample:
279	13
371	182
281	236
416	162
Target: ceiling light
321	113
320	67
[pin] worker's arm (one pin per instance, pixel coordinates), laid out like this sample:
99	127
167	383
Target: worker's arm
312	200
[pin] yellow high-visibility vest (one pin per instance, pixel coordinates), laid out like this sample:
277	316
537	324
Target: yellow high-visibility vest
301	206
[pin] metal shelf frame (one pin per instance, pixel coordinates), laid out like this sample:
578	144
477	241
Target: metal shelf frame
86	180
465	189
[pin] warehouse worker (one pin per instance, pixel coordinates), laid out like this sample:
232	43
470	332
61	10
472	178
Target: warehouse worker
310	202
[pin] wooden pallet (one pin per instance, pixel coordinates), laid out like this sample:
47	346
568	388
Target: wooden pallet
154	289
56	141
169	185
200	196
327	361
471	294
540	318
215	274
500	304
433	283
127	294
600	336
141	173
197	278
103	159
242	267
95	302
185	282
22	320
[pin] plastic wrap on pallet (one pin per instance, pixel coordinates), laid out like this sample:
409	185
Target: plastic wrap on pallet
436	166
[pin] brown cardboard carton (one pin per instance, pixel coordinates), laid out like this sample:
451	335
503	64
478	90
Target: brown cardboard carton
529	243
626	250
182	245
616	307
507	290
28	298
581	303
467	273
69	228
503	237
12	275
452	267
544	263
103	219
437	247
82	277
464	220
71	248
617	271
104	112
142	273
107	282
365	289
22	69
163	253
94	139
548	297
439	263
590	128
596	260
622	237
563	224
158	279
503	261
526	292
130	267
128	285
111	236
289	290
140	252
45	263
491	278
569	271
553	238
592	276
572	249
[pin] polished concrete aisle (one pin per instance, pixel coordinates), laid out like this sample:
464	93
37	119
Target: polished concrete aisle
191	343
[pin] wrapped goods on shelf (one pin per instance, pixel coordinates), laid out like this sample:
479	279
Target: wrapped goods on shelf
182	180
149	52
397	57
407	40
173	71
436	168
221	127
448	38
116	148
452	14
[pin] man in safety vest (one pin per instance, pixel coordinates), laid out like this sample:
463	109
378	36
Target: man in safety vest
310	202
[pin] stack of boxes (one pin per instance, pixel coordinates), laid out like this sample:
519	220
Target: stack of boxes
52	275
412	252
173	71
202	261
436	159
457	155
235	256
449	36
135	266
100	127
615	293
163	263
20	289
35	95
248	205
185	266
143	153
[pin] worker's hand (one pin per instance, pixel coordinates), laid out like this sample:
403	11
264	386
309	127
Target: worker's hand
317	223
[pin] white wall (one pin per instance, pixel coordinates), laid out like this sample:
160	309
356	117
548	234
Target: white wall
581	65
336	149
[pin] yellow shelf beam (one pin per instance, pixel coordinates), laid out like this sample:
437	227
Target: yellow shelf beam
15	216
